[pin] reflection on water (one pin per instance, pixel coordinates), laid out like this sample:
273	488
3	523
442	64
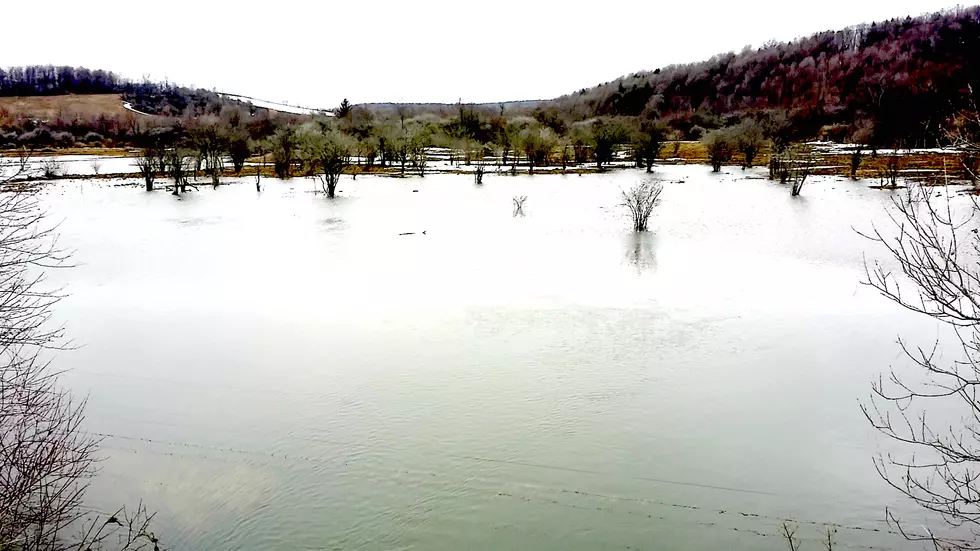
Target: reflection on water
291	372
641	247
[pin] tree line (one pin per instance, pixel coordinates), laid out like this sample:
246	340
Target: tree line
903	77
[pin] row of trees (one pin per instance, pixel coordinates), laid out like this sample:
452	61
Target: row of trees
325	147
885	84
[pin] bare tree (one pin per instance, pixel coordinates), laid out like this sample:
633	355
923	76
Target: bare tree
147	164
259	149
796	164
936	247
120	531
179	165
209	145
50	169
856	155
963	133
96	167
519	204
888	175
46	459
640	200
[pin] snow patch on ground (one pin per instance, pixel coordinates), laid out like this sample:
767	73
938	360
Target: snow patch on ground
832	148
275	106
129	106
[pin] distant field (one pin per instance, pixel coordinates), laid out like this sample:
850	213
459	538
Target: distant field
66	107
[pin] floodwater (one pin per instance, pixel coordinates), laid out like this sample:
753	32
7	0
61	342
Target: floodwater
276	370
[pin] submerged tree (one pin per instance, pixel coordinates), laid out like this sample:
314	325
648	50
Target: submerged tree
749	139
209	144
640	200
239	150
326	153
478	173
519	201
648	140
889	174
147	164
856	155
720	146
538	143
796	165
606	135
179	164
282	147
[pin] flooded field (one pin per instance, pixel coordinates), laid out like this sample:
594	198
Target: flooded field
412	366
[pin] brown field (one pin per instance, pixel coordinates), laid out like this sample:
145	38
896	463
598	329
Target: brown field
66	107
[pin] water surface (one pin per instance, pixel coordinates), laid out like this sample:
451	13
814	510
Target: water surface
276	370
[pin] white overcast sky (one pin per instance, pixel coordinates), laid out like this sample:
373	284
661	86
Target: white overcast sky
316	53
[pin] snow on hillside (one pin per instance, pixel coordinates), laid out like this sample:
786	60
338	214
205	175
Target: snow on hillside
283	107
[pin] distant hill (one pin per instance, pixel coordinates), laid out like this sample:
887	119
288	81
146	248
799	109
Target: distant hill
154	98
904	76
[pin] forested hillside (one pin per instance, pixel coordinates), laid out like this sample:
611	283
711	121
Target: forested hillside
148	97
904	78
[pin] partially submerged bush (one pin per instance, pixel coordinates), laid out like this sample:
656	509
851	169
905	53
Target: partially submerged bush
648	140
50	168
720	146
889	173
796	164
748	137
640	200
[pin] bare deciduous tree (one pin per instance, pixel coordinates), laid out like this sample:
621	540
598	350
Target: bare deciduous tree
259	149
640	200
96	167
147	163
796	164
962	134
210	145
46	459
856	155
50	169
519	204
179	165
888	175
936	247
